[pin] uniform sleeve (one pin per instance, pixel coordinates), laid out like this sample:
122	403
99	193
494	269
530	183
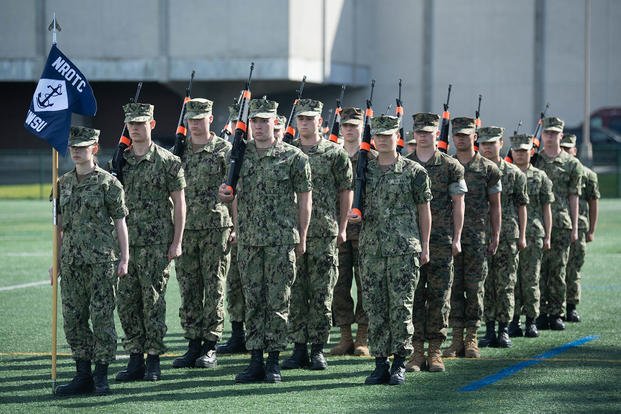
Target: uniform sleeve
457	183
576	175
494	183
115	200
520	192
421	186
591	188
546	194
175	175
342	170
301	174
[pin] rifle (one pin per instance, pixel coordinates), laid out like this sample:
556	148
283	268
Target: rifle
289	130
509	156
118	161
182	131
477	122
241	136
443	142
538	130
336	121
225	132
399	113
363	157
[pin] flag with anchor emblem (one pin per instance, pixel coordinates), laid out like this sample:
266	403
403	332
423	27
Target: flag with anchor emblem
62	90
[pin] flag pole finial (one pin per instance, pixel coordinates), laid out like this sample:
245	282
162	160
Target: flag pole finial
54	27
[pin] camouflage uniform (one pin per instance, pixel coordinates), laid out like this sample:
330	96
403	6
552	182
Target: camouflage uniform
202	268
565	172
529	268
88	257
499	297
577	251
317	272
267	235
389	253
148	183
483	178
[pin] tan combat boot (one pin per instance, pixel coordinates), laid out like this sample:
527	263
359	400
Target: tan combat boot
361	347
457	344
346	345
434	358
417	360
471	344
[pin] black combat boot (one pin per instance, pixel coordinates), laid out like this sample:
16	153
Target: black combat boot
381	373
503	335
207	358
531	329
556	323
543	323
272	370
490	338
318	360
100	378
572	314
135	368
152	371
255	370
82	382
188	359
237	342
397	371
514	328
299	358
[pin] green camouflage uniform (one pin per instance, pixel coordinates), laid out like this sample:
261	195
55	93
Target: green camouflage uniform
148	183
431	299
499	297
483	179
529	268
267	235
88	262
577	251
202	268
389	253
317	272
565	172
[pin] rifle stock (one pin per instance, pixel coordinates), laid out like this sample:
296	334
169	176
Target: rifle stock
118	161
363	158
399	112
443	142
336	122
182	132
289	130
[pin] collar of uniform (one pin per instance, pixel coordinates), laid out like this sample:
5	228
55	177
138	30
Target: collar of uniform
149	156
322	146
476	157
208	147
272	151
397	167
91	176
436	159
559	158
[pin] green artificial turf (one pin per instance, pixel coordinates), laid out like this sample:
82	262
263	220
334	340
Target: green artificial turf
585	378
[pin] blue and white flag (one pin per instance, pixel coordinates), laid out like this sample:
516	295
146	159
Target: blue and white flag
62	89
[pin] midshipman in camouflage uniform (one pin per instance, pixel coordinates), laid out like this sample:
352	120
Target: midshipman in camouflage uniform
92	207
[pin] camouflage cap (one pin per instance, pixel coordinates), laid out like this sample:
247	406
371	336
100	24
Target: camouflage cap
138	112
553	123
234	111
352	116
309	107
426	122
198	108
490	134
80	136
463	125
410	138
568	141
262	108
281	122
384	125
521	142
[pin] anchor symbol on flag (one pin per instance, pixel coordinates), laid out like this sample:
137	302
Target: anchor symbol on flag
45	102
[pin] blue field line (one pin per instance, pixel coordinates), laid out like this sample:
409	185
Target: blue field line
490	379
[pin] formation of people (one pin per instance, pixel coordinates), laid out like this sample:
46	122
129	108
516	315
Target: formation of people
444	242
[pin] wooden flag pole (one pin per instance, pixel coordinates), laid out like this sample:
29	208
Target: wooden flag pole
55	257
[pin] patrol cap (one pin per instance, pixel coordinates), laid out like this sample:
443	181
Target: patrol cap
553	123
262	108
426	122
198	108
351	116
309	107
521	142
234	111
384	125
410	138
80	136
138	112
490	134
463	125
568	141
281	122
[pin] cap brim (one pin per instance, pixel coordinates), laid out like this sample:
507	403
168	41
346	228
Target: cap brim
262	115
308	113
489	139
427	128
83	143
554	129
466	131
352	122
412	141
568	145
197	115
521	147
144	118
385	131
